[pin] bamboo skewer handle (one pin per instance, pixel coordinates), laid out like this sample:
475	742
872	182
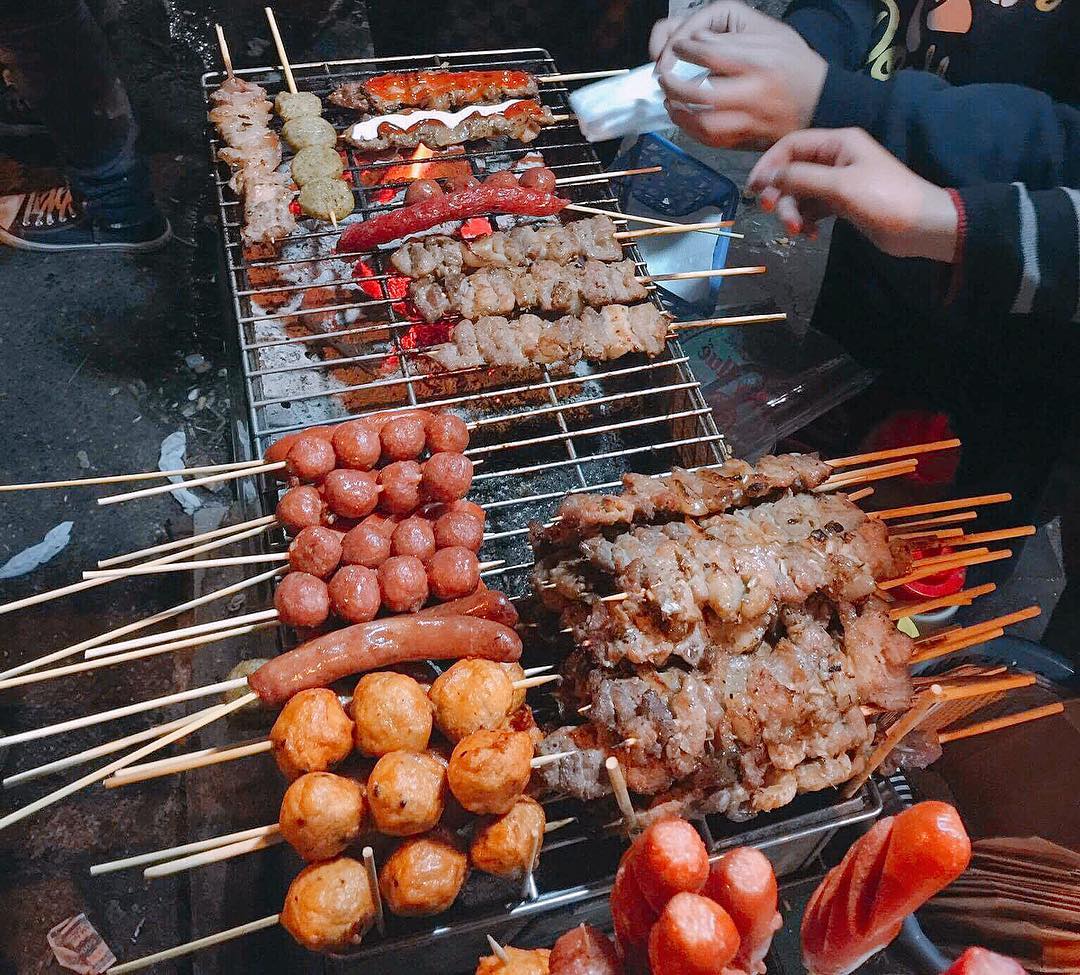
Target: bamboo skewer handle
603	177
179	951
197	846
285	66
140	476
265	522
226	57
214	855
546	79
996	724
263	468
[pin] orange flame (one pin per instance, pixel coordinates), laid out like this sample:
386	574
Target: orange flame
416	170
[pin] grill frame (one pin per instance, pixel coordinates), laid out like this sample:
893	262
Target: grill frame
673	407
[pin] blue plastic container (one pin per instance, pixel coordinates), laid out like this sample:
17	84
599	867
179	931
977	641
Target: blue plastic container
682	189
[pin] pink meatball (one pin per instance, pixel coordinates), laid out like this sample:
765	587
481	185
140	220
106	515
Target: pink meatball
365	545
354	593
447	476
414	536
404	584
453	572
447	432
310	458
400	487
357	445
301	599
351	494
299	508
459	529
403	438
317	551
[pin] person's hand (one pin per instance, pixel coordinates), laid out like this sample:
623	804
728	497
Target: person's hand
764	79
810	175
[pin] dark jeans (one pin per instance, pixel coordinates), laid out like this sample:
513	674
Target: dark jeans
60	63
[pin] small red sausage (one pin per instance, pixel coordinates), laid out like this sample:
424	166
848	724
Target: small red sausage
447	432
400	487
317	551
404	584
487	604
365	545
357	445
403	438
302	600
310	458
453	573
420	190
671	857
743	883
459	528
447	476
538	178
279	449
381	643
503	178
584	951
354	593
351	494
414	536
300	507
693	936
629	910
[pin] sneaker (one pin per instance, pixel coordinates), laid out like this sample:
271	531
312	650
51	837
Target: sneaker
51	220
16	117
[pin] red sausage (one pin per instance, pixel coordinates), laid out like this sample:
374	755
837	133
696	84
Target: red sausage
301	600
404	584
278	450
447	432
459	528
403	438
317	551
351	494
354	593
453	572
310	458
357	445
503	178
584	951
365	545
743	883
488	604
381	643
447	477
299	508
629	910
538	178
693	936
400	487
414	536
671	857
420	190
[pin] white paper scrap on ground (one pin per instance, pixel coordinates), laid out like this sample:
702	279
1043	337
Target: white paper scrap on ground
54	542
77	946
171	458
628	104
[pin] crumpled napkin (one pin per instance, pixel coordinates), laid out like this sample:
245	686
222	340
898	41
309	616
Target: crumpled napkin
54	542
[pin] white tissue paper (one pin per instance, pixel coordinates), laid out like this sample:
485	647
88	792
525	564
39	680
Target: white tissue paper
628	104
171	458
54	542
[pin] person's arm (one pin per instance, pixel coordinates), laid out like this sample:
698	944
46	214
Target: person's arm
958	135
1013	250
839	30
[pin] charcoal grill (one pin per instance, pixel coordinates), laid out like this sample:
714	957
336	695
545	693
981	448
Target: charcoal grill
540	437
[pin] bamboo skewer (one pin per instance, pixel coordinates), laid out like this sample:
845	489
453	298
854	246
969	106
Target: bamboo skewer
44	597
960	561
972	640
894	452
123	478
208	716
996	724
622	793
942	520
546	79
368	857
145	652
498	950
860	494
994	685
198	629
214	855
187	763
190	947
197	846
947	557
89	754
716	272
265	521
602	177
713	226
272	557
963	598
969	636
731	320
894	735
285	66
262	468
226	57
995	536
1008	619
862	474
101	717
936	506
938	534
166	614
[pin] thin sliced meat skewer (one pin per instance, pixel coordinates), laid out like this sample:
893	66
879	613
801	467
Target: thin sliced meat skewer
440	90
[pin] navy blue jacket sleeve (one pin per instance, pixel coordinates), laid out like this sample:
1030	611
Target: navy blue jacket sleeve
959	135
1018	253
840	32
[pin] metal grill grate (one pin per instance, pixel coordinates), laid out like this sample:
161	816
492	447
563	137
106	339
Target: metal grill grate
540	436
